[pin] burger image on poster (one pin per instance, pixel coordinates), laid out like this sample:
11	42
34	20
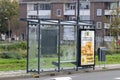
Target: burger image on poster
87	47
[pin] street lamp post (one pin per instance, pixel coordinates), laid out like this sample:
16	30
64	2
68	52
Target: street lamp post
78	10
77	32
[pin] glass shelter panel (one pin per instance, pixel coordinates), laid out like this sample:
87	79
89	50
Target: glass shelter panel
33	48
68	47
49	47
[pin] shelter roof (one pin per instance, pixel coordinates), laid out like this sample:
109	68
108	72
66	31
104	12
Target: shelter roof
58	22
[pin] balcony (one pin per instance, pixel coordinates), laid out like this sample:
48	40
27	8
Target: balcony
41	12
106	25
109	12
72	12
108	38
85	12
69	12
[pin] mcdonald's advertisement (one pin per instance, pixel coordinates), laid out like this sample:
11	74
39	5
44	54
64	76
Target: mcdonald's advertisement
87	47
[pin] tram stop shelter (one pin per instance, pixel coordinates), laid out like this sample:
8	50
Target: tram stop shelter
56	45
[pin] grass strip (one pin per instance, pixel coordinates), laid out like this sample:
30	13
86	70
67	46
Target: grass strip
14	64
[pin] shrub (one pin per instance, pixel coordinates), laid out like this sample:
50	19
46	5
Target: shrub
23	53
13	55
21	45
14	46
16	50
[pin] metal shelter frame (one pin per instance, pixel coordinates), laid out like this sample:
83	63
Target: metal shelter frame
86	25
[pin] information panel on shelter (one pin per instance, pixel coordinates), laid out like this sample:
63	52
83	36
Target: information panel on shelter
87	47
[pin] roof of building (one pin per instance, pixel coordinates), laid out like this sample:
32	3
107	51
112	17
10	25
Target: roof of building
104	0
45	0
63	1
68	0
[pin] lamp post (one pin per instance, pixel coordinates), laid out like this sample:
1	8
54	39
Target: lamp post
9	40
77	22
37	10
78	11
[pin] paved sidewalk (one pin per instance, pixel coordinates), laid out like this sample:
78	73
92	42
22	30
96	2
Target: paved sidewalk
19	73
108	66
22	74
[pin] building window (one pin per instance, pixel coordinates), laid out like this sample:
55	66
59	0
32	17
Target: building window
99	12
70	18
113	5
107	32
58	12
35	6
99	25
42	6
70	6
84	5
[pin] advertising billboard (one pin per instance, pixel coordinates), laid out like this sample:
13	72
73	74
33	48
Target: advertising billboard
68	33
87	47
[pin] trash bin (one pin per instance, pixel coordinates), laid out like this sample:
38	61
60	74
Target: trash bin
102	54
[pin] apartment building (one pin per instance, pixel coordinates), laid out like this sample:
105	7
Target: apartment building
100	11
55	9
67	10
52	9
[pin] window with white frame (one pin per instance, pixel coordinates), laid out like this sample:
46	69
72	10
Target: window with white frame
99	12
99	25
84	5
58	12
113	5
70	6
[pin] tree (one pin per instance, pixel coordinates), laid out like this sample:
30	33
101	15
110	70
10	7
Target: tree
115	24
8	10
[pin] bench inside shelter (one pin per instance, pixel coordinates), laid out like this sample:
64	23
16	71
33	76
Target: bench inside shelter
61	62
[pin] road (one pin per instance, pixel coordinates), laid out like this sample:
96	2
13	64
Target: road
104	75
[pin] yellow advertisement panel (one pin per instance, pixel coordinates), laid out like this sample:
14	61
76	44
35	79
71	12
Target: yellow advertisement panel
87	48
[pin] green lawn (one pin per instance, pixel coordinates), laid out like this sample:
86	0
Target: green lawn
14	64
111	59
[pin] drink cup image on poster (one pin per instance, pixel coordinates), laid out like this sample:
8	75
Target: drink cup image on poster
87	48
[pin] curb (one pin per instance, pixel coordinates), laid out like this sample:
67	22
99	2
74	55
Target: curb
64	72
